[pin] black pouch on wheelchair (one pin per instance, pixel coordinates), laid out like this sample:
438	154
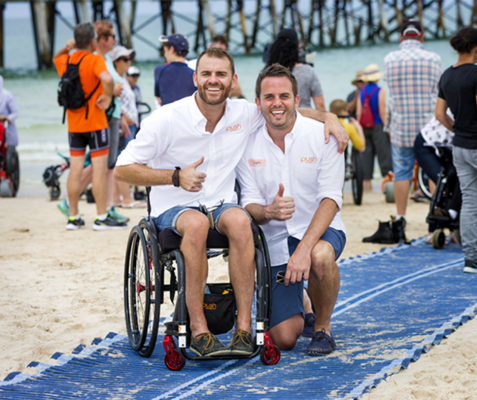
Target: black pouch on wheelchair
220	308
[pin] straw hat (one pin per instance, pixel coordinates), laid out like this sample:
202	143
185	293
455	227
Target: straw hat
372	73
359	77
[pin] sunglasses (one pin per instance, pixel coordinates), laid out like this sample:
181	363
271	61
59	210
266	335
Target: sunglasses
110	35
125	59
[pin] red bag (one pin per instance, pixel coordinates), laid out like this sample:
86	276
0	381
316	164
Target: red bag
367	117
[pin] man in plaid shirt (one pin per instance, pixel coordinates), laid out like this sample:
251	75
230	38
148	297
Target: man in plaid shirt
412	75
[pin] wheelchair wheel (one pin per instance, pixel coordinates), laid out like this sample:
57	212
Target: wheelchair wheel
270	357
6	189
155	285
12	168
175	363
357	179
438	239
423	182
137	289
389	192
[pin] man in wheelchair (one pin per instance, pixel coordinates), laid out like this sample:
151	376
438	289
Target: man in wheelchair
193	146
302	221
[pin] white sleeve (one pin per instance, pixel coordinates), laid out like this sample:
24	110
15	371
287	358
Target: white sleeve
331	174
151	142
249	191
256	118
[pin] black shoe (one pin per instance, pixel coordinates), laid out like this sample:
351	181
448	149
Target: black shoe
383	235
470	267
398	231
108	224
75	224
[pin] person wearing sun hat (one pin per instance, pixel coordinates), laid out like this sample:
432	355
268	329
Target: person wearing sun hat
352	98
412	75
377	141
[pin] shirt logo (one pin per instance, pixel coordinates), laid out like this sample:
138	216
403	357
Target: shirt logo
257	163
308	160
233	128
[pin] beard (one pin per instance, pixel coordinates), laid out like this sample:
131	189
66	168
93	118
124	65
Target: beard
205	97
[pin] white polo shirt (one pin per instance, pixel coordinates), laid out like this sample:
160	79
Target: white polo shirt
310	171
175	135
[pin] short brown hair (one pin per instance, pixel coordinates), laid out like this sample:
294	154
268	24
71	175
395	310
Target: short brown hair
217	52
275	70
103	28
337	106
221	39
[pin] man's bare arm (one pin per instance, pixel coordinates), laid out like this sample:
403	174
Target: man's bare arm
332	126
441	114
70	45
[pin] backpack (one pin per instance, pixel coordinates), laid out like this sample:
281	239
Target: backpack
71	95
367	117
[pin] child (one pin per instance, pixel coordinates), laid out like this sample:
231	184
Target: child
353	128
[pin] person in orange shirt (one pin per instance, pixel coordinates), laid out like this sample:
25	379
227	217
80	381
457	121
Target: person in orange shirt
87	125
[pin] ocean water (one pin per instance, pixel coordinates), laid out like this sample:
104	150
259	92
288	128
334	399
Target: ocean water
42	134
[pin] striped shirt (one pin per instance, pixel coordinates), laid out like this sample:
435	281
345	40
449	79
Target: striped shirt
412	75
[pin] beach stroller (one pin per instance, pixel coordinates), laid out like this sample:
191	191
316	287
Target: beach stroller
9	167
52	174
447	195
154	267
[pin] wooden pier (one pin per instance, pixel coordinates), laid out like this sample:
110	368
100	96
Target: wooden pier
251	24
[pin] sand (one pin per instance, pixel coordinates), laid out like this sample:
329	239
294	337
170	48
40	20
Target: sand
59	289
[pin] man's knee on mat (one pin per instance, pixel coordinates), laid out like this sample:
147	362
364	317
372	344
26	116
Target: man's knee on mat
322	259
286	333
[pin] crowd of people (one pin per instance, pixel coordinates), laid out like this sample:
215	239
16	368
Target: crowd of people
285	154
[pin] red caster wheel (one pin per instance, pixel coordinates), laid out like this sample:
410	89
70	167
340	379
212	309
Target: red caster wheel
176	361
270	355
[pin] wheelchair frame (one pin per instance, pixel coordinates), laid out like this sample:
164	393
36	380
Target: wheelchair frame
144	291
354	172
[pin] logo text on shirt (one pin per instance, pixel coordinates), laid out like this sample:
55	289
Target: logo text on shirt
233	128
309	160
257	163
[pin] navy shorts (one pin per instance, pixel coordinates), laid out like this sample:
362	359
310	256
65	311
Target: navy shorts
287	301
168	219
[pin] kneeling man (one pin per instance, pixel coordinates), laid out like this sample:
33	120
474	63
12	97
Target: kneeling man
292	185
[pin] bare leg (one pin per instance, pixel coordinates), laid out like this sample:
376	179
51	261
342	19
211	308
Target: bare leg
73	183
194	228
125	190
99	183
235	224
401	193
86	178
307	303
286	333
324	284
110	183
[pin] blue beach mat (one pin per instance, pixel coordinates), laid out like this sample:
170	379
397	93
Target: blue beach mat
392	306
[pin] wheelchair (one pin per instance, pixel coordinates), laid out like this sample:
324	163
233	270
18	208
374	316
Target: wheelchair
9	167
446	186
150	256
354	172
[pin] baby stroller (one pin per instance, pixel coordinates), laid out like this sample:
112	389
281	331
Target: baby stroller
52	174
447	196
9	167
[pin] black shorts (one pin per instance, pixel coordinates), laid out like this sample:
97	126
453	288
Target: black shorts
97	141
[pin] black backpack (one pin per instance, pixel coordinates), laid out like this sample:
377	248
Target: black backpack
71	95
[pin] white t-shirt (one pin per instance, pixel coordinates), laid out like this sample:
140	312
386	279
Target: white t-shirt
175	135
310	171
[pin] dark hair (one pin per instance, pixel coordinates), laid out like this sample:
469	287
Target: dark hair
220	39
275	70
464	40
217	52
182	53
84	34
284	50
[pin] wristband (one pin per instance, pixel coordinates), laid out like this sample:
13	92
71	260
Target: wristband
175	177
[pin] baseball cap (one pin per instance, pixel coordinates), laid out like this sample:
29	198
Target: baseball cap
178	41
133	71
121	51
411	28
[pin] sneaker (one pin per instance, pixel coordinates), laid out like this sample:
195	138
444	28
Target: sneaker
321	344
64	207
470	267
383	235
242	343
74	224
116	216
309	328
206	344
108	224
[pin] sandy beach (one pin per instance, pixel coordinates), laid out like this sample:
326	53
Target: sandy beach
60	289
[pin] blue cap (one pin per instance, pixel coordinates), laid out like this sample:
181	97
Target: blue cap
178	41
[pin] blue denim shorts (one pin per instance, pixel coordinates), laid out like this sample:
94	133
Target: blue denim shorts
168	219
287	301
403	162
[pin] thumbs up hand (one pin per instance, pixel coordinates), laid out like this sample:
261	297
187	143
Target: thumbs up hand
282	208
190	179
